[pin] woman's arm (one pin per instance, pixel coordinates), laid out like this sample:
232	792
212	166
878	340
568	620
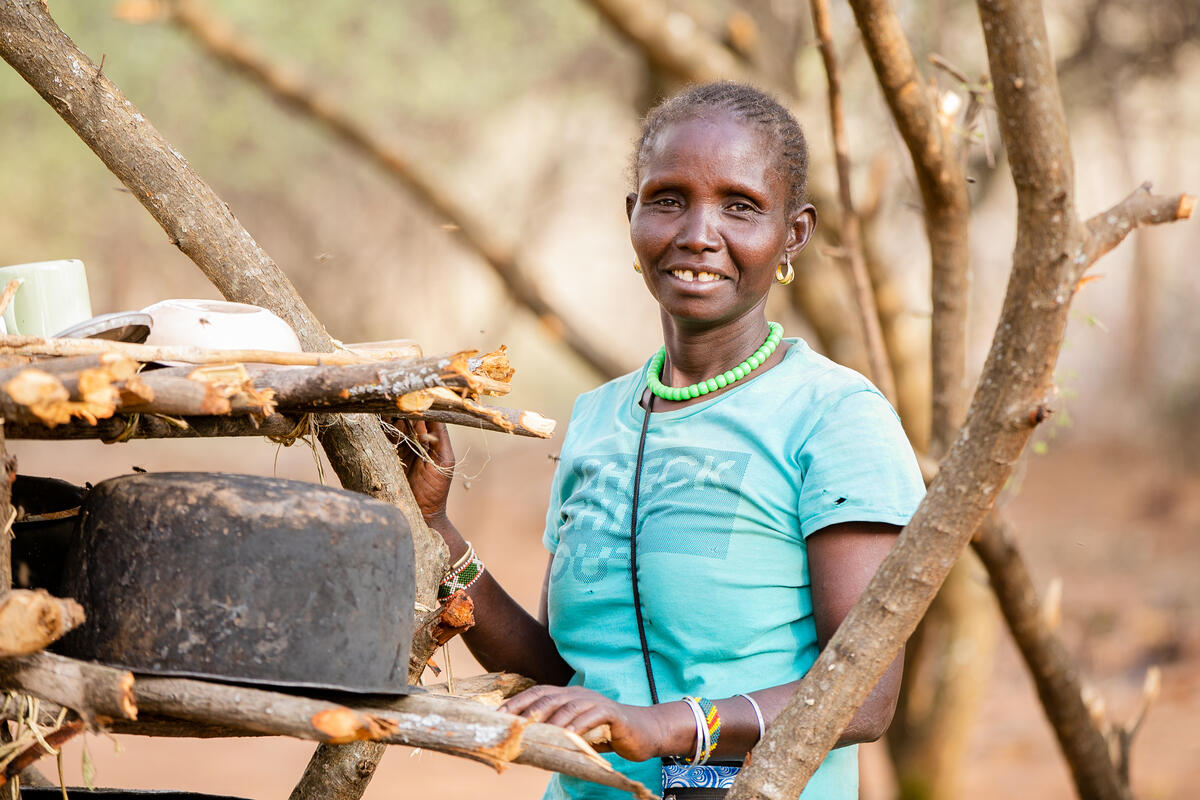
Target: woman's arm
504	637
842	560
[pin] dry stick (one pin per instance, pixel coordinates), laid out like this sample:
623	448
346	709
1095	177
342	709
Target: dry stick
32	619
296	94
850	232
1058	686
944	192
284	426
448	724
1051	254
202	226
35	346
91	690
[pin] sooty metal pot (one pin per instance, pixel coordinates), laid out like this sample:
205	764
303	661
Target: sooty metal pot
49	511
245	579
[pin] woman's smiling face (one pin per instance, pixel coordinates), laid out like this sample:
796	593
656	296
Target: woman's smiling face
709	221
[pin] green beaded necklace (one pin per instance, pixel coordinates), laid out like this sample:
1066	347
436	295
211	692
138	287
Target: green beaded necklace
678	393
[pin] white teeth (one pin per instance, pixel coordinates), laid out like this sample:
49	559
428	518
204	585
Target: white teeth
688	275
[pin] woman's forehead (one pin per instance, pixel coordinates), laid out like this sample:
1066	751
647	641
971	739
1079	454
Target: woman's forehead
712	141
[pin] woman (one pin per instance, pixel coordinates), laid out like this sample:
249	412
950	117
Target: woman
763	483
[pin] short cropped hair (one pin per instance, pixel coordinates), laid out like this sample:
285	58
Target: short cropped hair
744	103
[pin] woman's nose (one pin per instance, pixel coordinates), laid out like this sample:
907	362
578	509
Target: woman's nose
697	231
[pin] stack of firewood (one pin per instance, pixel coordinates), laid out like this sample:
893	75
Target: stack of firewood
86	389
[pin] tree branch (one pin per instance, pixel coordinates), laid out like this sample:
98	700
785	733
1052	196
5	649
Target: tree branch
91	690
296	94
1109	228
1058	686
850	231
1014	385
939	173
929	748
673	42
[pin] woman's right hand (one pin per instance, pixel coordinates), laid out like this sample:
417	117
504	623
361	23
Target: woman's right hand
430	471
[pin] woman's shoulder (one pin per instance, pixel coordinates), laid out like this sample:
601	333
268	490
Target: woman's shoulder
606	400
821	379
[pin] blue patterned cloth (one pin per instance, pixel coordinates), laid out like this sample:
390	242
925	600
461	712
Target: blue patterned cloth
679	776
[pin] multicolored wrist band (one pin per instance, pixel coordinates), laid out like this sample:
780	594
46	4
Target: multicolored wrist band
462	575
707	716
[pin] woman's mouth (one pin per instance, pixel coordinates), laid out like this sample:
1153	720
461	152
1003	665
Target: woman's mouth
698	276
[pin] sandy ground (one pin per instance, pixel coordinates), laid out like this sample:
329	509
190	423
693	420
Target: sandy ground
1120	527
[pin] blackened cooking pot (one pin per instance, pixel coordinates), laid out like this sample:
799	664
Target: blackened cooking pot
245	579
48	510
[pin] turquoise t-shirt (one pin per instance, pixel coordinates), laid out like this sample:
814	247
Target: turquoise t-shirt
731	487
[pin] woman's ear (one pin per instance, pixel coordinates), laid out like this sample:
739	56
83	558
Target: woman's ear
630	202
803	225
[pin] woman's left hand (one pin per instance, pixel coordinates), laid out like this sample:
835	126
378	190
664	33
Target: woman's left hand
637	732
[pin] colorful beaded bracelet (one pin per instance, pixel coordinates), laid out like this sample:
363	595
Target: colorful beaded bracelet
711	725
462	575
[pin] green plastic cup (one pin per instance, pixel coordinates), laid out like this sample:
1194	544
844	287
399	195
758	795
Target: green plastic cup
53	296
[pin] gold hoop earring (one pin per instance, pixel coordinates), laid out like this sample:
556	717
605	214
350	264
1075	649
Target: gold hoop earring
785	278
637	267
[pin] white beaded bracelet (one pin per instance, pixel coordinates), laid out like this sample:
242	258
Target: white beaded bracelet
762	728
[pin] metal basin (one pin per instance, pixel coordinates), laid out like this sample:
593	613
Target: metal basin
244	579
